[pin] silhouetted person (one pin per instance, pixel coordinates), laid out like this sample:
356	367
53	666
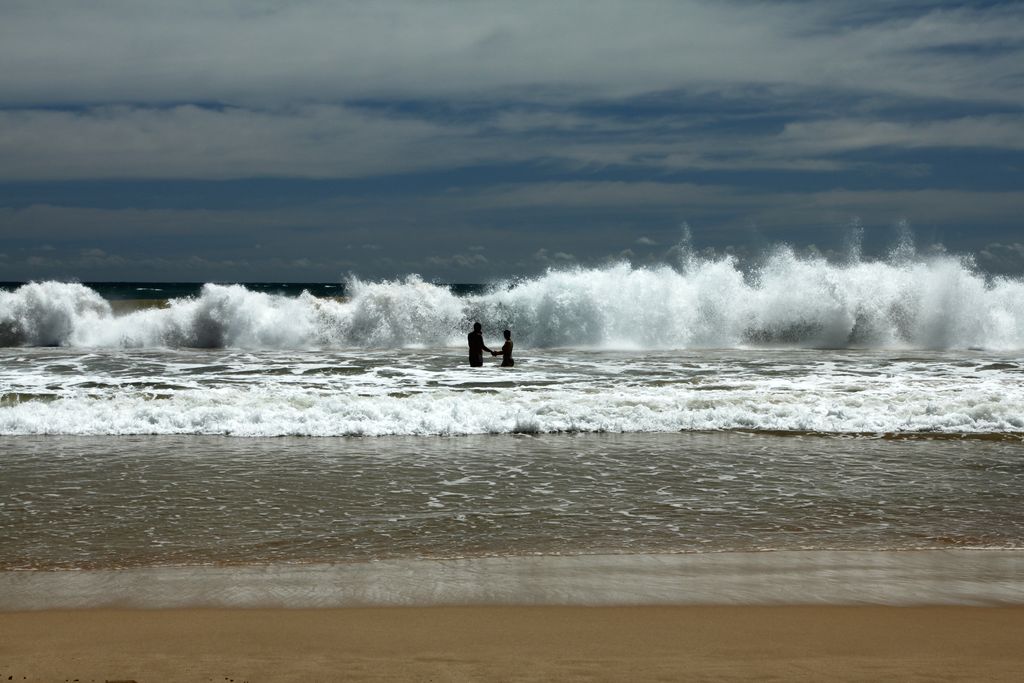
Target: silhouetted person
477	347
506	351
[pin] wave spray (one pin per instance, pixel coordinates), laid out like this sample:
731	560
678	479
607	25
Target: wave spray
940	302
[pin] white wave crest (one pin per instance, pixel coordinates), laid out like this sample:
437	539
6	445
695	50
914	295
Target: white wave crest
49	313
938	303
276	410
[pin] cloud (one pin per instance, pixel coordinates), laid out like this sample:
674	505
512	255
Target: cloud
333	89
74	223
97	264
840	135
459	260
557	258
333	141
587	194
311	141
128	51
195	142
544	133
1002	258
522	228
958	210
535	207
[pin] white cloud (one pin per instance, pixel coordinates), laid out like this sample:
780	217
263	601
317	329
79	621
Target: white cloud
193	142
333	141
98	258
459	260
559	257
58	51
995	131
282	74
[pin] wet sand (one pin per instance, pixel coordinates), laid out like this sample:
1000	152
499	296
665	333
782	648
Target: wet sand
911	578
495	643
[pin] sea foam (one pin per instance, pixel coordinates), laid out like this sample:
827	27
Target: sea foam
935	303
959	403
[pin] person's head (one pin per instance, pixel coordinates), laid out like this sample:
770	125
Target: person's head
476	327
508	335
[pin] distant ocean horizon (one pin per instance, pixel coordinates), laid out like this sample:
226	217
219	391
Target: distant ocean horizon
118	290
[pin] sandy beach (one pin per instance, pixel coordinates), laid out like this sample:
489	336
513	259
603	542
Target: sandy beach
516	643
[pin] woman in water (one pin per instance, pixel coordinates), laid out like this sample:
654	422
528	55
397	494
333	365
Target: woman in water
506	351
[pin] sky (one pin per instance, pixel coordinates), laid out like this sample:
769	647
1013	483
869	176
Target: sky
470	141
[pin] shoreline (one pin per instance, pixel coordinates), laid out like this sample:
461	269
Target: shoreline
808	643
904	577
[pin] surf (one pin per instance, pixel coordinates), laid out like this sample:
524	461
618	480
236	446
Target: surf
936	303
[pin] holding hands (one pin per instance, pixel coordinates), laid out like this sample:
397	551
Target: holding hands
477	348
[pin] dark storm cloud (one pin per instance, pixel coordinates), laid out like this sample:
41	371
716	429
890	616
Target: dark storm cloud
257	137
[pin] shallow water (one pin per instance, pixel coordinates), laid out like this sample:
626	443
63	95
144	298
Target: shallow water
95	502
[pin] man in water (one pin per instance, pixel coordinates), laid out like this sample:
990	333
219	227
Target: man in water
477	347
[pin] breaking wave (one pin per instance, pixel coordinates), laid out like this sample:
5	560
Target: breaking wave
936	303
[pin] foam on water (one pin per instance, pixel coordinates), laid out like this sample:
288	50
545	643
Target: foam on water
430	392
936	303
907	345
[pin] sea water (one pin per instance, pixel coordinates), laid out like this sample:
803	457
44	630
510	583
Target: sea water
102	502
799	406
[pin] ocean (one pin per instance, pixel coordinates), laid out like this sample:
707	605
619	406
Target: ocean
804	407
